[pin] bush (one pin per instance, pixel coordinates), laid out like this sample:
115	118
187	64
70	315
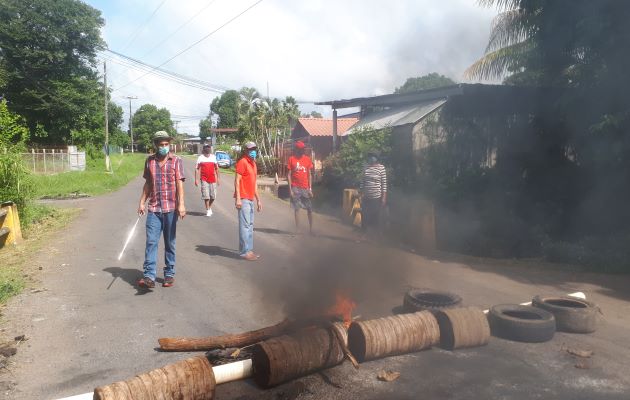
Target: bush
344	168
16	182
610	254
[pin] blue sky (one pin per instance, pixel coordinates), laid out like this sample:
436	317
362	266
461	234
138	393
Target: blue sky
312	50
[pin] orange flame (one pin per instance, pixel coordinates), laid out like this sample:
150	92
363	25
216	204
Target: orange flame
342	308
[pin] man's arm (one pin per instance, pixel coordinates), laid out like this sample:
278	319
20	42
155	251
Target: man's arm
216	171
197	175
181	207
258	202
237	190
384	187
143	197
310	181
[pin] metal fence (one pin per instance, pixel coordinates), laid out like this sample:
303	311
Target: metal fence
52	161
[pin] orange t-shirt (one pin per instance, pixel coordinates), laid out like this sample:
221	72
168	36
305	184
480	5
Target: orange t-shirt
246	168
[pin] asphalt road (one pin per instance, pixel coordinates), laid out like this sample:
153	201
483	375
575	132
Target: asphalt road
91	326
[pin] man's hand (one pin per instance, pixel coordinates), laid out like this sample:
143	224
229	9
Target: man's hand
181	211
196	182
383	201
239	204
310	193
259	206
141	209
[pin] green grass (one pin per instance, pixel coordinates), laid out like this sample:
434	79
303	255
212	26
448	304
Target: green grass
93	181
17	259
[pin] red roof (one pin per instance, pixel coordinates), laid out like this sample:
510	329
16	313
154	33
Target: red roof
323	126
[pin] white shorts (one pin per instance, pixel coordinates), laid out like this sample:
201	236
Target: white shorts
208	190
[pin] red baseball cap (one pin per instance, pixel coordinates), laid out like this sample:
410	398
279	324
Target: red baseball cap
299	145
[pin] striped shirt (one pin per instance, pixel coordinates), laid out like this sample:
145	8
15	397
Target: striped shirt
163	181
374	182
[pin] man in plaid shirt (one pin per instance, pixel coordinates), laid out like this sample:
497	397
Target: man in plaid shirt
164	188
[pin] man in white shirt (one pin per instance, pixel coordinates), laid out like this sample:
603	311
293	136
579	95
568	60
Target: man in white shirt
208	170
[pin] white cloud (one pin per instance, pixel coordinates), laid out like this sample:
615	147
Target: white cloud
312	50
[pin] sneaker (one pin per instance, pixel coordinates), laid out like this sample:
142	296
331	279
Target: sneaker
168	281
209	212
146	283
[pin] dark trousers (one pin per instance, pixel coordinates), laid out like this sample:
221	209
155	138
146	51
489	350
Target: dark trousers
371	213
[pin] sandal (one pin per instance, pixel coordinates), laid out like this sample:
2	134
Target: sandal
168	281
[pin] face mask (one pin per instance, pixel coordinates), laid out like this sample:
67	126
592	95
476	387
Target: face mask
163	150
252	154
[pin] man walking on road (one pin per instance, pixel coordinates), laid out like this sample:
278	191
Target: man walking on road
245	191
300	184
373	193
164	188
208	168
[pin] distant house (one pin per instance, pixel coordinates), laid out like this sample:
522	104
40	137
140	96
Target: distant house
318	133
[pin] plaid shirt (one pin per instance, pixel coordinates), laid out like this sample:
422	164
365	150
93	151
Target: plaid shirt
163	180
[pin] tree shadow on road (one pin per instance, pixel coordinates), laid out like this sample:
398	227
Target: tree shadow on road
196	213
274	231
130	276
218	251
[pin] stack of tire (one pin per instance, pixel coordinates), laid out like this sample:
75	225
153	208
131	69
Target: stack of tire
540	321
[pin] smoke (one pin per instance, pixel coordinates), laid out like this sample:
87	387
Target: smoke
314	275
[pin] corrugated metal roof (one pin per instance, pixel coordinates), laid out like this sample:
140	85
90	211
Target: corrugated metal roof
397	116
323	126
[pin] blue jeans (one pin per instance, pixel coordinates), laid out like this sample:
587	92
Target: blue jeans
246	227
158	223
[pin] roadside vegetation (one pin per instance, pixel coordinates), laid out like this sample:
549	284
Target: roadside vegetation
93	181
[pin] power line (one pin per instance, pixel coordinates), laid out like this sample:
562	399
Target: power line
142	26
179	28
195	43
172	76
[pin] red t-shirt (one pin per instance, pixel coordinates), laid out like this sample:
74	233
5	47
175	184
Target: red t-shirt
246	168
300	168
207	167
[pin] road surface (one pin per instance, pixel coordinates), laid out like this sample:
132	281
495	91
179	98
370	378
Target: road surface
91	326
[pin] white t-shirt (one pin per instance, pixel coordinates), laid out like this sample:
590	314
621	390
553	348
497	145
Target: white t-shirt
203	159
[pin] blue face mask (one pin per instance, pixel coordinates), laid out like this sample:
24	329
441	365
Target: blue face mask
163	150
253	154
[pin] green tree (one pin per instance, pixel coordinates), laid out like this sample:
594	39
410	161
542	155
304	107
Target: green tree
226	107
312	114
204	128
48	59
13	132
147	120
429	81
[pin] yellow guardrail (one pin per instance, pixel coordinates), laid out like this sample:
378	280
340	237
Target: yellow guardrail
10	232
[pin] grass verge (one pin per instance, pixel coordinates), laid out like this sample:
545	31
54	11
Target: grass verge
93	181
14	272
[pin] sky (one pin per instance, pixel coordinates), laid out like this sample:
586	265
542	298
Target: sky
313	50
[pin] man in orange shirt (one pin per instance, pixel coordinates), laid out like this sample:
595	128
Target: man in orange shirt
245	191
300	184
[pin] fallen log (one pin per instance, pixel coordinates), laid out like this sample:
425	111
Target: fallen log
220	342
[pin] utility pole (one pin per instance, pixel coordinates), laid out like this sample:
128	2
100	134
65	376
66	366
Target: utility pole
176	125
130	120
105	91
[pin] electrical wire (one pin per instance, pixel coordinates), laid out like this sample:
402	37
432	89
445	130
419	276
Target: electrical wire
194	44
179	28
143	25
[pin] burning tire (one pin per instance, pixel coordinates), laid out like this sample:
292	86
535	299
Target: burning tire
521	323
427	299
572	315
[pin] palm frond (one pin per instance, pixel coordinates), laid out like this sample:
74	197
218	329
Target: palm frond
508	28
500	4
495	64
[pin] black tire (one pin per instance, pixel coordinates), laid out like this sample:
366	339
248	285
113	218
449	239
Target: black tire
427	299
572	315
521	323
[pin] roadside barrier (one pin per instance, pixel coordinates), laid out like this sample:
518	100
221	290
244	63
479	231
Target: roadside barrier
10	231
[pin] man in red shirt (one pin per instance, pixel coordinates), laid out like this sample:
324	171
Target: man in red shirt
245	191
300	184
208	168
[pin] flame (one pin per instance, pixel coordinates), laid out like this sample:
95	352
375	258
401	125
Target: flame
342	308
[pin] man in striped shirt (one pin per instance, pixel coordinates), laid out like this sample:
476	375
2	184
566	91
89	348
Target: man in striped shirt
373	193
164	188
